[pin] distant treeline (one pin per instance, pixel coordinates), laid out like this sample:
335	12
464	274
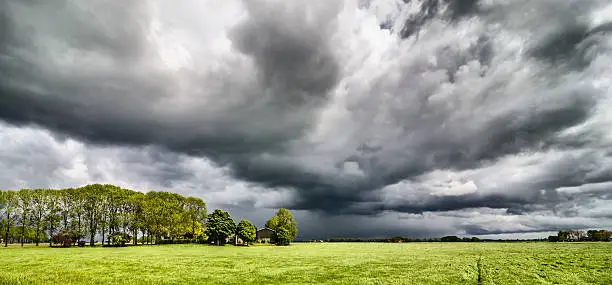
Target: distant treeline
575	235
567	235
403	239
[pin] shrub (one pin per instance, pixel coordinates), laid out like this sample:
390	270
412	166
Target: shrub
64	238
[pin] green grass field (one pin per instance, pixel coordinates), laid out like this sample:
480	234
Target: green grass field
330	263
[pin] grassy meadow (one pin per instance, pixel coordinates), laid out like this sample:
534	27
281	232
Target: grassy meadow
317	263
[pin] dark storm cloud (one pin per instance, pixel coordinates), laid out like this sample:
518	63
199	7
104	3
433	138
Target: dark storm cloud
572	45
431	8
295	71
451	203
293	59
446	103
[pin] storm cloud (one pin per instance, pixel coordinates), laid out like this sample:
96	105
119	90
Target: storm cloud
349	109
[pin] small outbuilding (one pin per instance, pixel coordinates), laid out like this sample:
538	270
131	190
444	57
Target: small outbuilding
265	235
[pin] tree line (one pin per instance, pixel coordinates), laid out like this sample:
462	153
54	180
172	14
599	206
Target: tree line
119	216
577	235
400	239
564	235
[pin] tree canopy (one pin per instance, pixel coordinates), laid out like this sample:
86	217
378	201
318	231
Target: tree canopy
220	226
246	231
100	210
284	225
117	216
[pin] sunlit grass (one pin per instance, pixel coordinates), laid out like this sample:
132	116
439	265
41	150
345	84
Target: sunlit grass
331	263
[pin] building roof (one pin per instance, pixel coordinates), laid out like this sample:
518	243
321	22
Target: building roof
266	229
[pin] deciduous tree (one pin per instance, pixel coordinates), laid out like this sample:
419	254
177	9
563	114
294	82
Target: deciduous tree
52	218
39	212
196	210
220	226
10	209
24	200
283	222
246	231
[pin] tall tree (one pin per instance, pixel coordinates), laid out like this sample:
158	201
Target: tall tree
116	199
65	203
196	209
155	214
25	207
284	225
220	226
53	218
10	206
103	201
179	219
39	212
78	202
136	215
246	231
91	209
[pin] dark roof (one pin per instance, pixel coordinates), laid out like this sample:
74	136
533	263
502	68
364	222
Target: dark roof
266	229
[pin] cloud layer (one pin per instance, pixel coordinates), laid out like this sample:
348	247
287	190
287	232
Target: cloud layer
360	110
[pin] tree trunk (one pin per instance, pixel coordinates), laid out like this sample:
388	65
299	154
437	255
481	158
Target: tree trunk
65	216
110	231
8	227
37	233
6	235
79	228
22	229
51	230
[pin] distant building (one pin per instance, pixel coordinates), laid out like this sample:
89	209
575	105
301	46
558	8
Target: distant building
265	235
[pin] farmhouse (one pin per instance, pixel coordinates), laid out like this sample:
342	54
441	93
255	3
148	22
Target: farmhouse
265	235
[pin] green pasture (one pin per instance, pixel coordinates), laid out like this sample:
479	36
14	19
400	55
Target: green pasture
316	263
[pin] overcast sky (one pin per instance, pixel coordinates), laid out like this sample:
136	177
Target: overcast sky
366	118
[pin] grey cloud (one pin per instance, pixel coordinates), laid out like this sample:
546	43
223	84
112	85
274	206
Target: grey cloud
463	97
292	58
432	8
26	152
116	104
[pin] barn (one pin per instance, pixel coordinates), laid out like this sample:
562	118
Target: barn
265	235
